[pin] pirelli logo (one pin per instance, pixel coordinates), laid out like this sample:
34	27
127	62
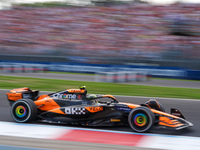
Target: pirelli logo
115	120
94	109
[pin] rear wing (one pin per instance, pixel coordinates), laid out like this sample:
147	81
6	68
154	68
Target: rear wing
19	93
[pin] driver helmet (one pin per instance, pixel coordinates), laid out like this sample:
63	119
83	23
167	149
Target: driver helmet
91	96
82	87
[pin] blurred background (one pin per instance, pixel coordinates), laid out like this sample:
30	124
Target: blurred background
159	37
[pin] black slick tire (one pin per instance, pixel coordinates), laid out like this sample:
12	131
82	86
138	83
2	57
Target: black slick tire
141	119
24	110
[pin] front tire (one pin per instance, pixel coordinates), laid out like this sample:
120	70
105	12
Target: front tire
24	110
141	119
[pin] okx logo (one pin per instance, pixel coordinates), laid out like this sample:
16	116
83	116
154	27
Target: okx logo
75	111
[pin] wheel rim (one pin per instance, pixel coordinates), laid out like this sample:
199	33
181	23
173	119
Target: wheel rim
140	119
21	112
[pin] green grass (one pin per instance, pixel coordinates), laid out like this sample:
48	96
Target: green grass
7	82
177	79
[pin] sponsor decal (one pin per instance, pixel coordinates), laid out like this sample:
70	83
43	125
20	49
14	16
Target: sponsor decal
76	91
176	114
69	96
75	111
57	95
121	105
123	108
15	96
94	109
65	96
115	120
79	96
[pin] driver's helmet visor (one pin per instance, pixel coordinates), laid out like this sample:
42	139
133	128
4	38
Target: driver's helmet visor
92	97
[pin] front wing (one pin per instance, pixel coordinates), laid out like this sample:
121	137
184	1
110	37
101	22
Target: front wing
178	123
171	121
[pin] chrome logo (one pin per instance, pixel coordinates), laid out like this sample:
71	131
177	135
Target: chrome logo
20	111
140	119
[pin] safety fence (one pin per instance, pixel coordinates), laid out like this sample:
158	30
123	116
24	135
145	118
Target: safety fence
122	76
20	68
104	73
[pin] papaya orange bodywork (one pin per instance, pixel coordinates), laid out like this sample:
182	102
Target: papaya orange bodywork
19	90
94	109
43	96
110	96
58	111
153	110
165	121
14	96
163	113
76	91
131	105
47	104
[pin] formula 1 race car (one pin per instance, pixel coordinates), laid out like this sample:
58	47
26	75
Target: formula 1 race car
76	107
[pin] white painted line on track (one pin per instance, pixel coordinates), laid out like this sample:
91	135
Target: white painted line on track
170	143
33	131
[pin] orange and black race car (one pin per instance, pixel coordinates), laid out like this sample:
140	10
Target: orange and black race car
76	107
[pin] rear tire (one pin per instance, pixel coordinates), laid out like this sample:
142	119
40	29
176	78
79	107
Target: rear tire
24	110
141	119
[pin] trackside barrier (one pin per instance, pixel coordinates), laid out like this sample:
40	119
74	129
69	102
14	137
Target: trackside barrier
6	68
114	77
22	68
143	71
18	68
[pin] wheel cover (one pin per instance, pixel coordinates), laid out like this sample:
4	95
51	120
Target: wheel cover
140	119
20	111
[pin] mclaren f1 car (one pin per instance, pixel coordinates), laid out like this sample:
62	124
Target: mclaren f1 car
76	107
